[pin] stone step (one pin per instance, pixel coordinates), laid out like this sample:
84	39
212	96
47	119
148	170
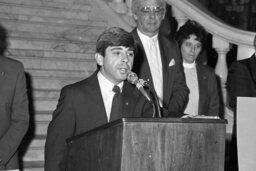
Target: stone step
51	4
75	2
41	128
50	20
86	32
43	116
51	83
38	128
80	65
44	104
34	154
32	147
35	142
45	93
80	13
16	53
34	165
59	45
74	37
41	120
54	73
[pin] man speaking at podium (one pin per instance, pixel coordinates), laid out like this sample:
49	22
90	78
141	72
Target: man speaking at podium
87	104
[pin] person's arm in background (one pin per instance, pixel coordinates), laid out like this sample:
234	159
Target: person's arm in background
19	117
237	83
214	99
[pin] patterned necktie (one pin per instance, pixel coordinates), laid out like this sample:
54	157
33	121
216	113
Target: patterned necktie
116	104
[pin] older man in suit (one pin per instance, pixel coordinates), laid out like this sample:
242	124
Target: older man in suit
241	79
89	103
14	115
158	60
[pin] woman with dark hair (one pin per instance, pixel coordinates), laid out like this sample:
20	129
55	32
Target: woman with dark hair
201	79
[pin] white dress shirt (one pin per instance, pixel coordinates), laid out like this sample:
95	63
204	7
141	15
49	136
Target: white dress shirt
151	47
106	87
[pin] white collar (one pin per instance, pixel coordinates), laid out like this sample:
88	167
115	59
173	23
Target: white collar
188	65
108	85
145	38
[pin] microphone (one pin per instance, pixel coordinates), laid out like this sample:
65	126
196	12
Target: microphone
133	79
140	83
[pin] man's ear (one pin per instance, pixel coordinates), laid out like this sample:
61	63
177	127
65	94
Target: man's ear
99	59
163	15
135	16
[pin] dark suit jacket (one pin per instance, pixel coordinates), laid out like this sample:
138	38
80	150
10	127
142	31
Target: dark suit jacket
14	115
80	109
209	99
175	90
241	79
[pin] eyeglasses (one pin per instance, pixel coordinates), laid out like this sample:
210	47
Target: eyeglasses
154	10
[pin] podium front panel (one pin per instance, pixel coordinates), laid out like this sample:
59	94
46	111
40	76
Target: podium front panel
151	145
173	147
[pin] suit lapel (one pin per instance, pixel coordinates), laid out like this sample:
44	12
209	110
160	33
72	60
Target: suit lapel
165	61
96	97
168	51
141	65
252	64
202	86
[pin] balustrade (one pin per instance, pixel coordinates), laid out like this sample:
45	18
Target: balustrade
222	37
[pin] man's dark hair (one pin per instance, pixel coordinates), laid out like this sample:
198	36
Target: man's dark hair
114	36
191	28
3	40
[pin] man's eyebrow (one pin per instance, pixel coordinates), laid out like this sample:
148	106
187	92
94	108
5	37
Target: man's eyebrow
120	48
116	48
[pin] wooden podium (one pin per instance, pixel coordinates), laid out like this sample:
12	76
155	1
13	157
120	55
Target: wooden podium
150	144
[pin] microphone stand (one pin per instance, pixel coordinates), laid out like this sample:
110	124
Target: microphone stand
133	79
156	99
154	110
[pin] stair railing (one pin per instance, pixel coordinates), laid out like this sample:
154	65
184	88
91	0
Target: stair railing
223	36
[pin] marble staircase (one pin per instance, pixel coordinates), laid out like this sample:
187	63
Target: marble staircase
55	40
